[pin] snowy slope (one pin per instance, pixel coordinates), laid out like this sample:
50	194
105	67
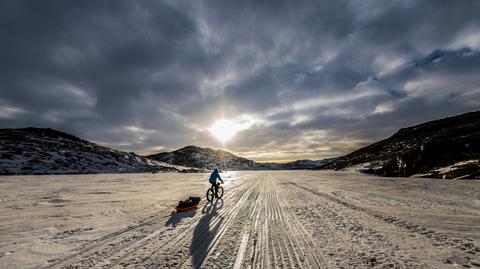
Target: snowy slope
445	148
205	158
47	151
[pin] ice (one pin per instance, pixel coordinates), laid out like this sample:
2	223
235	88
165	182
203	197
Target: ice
306	219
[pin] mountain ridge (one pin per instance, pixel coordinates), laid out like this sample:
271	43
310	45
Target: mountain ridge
443	148
31	150
208	158
44	151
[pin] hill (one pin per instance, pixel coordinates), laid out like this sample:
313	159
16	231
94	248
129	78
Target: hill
207	158
47	151
446	148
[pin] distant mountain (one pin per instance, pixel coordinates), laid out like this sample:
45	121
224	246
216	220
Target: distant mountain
299	164
445	148
208	158
47	151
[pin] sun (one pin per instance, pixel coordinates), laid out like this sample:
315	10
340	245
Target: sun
224	130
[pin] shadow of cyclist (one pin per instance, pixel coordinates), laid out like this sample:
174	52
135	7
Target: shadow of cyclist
203	234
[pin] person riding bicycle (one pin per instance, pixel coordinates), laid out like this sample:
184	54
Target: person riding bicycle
213	179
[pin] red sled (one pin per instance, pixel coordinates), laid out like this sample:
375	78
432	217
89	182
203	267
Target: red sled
183	209
188	204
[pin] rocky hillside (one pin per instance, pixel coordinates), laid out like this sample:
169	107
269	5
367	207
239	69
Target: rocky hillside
445	148
208	158
47	151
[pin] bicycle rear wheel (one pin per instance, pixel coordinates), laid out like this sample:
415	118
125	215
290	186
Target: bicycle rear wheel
210	195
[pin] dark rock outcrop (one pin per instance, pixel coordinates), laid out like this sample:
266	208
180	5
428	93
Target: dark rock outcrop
423	149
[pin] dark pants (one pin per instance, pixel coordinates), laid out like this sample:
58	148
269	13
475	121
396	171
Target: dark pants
215	187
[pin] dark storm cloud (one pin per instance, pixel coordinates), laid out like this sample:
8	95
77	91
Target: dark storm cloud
312	78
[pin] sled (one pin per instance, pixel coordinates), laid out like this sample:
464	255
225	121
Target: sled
189	204
183	209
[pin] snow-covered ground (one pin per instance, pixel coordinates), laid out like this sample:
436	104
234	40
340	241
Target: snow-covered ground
267	219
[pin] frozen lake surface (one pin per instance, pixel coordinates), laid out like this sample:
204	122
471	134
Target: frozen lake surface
267	219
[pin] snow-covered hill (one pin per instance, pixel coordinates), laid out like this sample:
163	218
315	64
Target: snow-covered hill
46	151
446	148
205	158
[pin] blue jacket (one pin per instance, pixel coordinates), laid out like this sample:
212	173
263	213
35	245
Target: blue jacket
214	176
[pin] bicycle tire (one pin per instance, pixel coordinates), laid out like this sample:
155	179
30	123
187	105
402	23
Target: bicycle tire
219	193
210	195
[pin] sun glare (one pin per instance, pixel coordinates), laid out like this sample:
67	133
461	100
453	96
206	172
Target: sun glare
224	130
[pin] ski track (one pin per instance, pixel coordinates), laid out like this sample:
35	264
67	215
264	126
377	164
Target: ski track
268	223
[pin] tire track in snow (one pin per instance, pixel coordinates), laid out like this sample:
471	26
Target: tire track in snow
262	223
110	250
277	237
188	251
228	241
176	253
121	238
382	232
412	228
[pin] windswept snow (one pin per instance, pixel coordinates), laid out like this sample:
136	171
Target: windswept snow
267	219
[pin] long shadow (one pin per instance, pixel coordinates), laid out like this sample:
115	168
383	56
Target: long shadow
203	234
175	218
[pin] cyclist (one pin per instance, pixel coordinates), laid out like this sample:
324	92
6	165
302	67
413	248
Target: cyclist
213	180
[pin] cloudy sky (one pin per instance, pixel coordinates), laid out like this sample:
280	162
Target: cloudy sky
297	79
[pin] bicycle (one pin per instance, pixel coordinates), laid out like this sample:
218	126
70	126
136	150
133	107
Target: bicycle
211	193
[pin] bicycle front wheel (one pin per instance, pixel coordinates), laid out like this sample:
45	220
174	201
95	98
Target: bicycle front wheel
219	192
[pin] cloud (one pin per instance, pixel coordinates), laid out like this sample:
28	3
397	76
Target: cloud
318	78
10	112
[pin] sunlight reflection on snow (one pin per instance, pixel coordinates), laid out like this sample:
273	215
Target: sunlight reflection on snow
229	177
